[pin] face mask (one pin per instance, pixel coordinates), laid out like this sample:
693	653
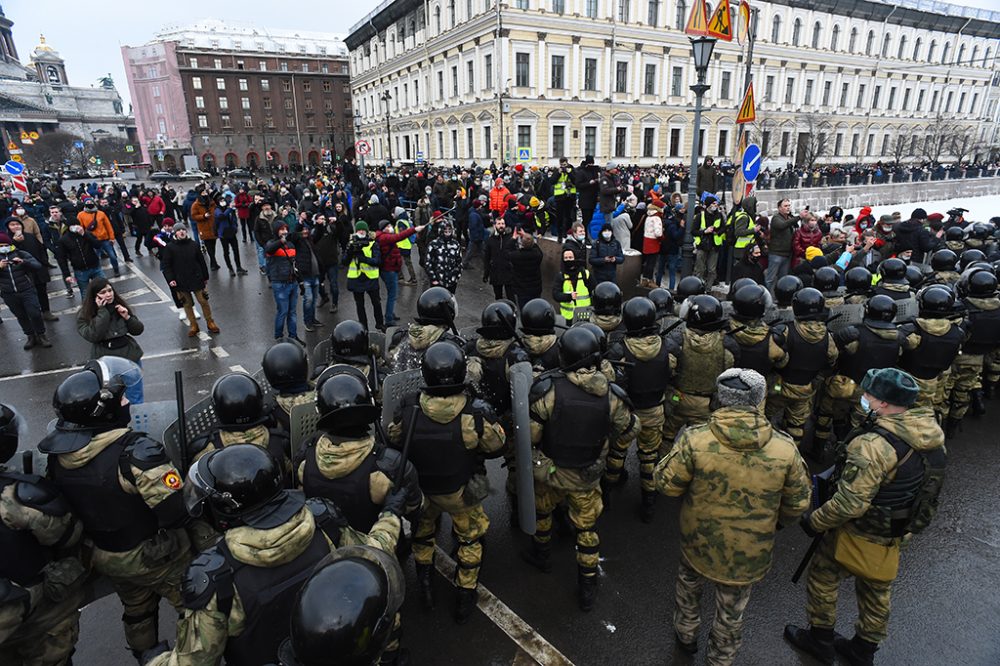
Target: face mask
427	190
865	405
606	235
581	237
20	211
362	235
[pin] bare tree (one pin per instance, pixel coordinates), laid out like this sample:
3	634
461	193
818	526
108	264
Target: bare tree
760	130
814	143
50	150
111	149
964	143
937	139
900	148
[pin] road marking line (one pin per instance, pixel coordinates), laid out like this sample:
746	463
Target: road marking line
220	352
202	335
238	368
61	290
76	308
153	287
73	368
509	622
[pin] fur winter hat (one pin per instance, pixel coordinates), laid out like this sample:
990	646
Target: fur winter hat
740	387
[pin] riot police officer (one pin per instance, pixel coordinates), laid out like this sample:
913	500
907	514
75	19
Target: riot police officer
449	429
649	365
826	280
892	279
286	367
607	303
664	302
703	351
785	288
944	262
238	594
858	285
124	490
538	324
350	345
689	286
574	412
435	320
758	349
978	289
890	472
954	239
41	577
811	350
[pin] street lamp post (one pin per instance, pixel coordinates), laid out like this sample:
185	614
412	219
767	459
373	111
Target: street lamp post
701	49
357	135
388	132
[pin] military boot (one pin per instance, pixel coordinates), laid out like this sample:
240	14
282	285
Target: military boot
586	591
978	402
646	509
814	640
539	556
857	651
425	574
951	427
465	604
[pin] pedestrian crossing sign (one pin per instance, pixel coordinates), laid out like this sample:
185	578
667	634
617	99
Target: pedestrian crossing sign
524	154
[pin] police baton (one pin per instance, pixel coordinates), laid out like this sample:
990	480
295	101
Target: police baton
182	442
398	481
373	375
806	559
27	462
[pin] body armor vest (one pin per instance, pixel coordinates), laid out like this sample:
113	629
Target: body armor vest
443	463
697	371
873	352
805	359
23	557
578	427
933	355
756	356
351	493
647	380
984	332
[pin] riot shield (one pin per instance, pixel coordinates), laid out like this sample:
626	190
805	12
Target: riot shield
377	339
395	387
469	334
303	425
906	309
842	316
201	418
521	378
778	315
321	353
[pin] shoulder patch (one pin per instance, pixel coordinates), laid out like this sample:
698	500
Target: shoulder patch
207	575
147	453
41	494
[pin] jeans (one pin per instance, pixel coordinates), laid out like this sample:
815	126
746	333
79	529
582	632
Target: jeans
331	275
391	279
24	306
669	264
84	277
108	249
231	243
311	285
777	268
210	250
260	256
286	295
134	393
474	249
359	304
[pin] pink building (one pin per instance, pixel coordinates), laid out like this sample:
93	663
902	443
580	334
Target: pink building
158	103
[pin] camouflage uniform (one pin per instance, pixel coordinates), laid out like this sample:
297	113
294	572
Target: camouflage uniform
480	433
967	370
40	622
703	356
543	351
407	346
205	627
793	402
720	540
580	487
752	334
933	390
870	463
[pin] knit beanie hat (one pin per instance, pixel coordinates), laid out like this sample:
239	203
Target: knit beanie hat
180	226
813	252
373	199
740	387
361	225
919	214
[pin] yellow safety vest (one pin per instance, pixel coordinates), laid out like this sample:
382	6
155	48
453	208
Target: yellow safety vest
356	269
406	243
743	241
568	308
563	185
717	238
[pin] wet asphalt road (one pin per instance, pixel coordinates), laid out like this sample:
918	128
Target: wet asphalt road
946	609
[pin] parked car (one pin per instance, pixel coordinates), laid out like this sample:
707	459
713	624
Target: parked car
163	176
194	174
238	173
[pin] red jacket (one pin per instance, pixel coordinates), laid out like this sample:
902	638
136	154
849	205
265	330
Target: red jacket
156	206
392	260
242	203
802	239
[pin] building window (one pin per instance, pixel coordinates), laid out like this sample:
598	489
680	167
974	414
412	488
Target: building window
869	144
653	17
648	141
327	87
263	65
243	84
892	98
675	142
621	77
269	121
440	86
853	41
193	62
676	81
765	141
223	102
196	82
727	78
156	91
916	48
288	103
649	83
470	77
624	11
920	100
245	103
199	102
558	140
861	95
558	71
769	89
827	86
152	72
218	63
899	53
975	100
590	140
286	85
789	90
524	136
239	63
621	136
307	86
283	66
305	67
886	40
226	122
559	7
487	140
590	74
267	102
454	81
723	142
869	43
163	126
290	122
835	38
488	71
944	53
469	148
522	69
220	84
809	91
520	4
855	138
796	32
680	17
844	89
816	32
775	29
785	137
202	120
838	144
875	96
961	103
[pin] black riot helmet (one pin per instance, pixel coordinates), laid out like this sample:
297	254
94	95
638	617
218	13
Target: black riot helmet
785	288
858	280
954	235
944	260
663	300
704	313
578	348
12	428
893	270
639	315
499	320
692	285
538	317
599	333
443	368
607	299
980	231
978	283
286	366
345	404
809	305
92	398
350	340
344	613
826	279
969	257
936	302
238	400
914	276
739	284
751	302
436	307
240	485
880	312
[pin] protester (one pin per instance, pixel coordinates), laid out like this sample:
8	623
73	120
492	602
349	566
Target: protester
110	326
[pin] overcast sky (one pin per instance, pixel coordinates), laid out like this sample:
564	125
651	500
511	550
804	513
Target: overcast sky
88	35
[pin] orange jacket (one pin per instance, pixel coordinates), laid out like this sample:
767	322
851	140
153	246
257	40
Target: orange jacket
96	223
498	198
204	215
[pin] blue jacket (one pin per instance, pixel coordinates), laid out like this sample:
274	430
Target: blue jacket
226	225
477	227
605	271
596	222
673	236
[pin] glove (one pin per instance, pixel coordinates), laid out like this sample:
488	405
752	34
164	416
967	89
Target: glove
395	501
807	526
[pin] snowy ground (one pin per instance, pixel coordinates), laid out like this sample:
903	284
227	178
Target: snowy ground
981	209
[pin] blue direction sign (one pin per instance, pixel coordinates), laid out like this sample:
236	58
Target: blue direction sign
751	162
78	145
13	168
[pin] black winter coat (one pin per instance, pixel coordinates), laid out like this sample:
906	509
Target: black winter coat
526	268
19	277
496	258
78	252
182	261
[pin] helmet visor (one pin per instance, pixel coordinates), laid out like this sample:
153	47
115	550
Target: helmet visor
198	487
116	369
